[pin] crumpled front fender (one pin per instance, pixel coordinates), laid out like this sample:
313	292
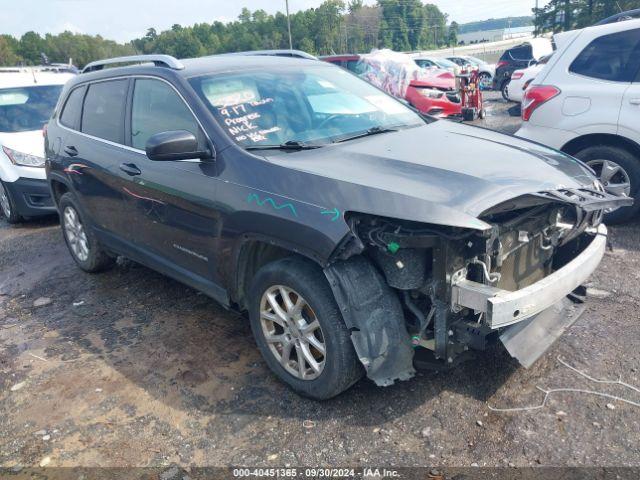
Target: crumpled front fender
372	311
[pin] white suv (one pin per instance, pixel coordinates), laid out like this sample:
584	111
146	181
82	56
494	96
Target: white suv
27	99
586	102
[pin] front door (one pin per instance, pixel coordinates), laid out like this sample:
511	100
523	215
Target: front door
173	201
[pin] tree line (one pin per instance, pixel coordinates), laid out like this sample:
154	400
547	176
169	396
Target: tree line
563	15
336	26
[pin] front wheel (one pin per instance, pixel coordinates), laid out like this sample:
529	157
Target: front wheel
8	206
485	80
299	329
619	172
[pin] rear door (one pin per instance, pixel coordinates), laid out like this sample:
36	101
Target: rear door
93	155
602	74
629	125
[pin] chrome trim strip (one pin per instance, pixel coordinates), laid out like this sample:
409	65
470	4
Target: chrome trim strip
502	308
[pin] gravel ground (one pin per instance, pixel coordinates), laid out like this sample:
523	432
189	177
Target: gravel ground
130	368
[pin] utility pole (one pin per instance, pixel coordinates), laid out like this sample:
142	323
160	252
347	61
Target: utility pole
289	25
535	32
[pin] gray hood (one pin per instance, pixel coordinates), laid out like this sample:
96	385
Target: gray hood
442	173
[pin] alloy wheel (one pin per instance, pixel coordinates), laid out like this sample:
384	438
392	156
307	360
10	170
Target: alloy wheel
613	177
485	81
292	332
75	233
4	201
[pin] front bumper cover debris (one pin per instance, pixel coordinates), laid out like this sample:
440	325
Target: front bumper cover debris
373	313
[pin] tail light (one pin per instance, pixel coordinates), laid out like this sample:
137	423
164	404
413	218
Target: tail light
517	75
536	96
502	63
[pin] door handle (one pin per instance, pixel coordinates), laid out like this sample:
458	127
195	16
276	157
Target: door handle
130	169
71	151
635	101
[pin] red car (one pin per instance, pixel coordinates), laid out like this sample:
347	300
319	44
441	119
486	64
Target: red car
431	91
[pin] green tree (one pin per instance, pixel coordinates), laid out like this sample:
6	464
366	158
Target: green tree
8	47
452	37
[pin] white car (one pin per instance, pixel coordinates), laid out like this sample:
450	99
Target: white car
486	71
28	96
521	79
435	62
586	103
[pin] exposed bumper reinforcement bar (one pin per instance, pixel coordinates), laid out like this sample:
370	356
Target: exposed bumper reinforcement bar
502	308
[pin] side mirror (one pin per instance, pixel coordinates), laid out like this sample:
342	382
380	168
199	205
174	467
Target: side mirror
175	145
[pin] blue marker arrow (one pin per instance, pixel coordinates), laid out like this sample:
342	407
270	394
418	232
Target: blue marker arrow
335	212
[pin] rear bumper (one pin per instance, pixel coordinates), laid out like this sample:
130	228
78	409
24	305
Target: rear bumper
31	196
502	308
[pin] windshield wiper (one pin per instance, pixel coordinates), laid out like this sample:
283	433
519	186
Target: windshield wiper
367	133
288	145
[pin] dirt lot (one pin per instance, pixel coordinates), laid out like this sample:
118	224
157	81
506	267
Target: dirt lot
129	368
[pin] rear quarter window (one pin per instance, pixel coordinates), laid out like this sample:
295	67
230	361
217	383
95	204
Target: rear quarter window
70	116
614	57
103	112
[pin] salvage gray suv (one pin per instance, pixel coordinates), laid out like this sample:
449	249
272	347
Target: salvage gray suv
358	235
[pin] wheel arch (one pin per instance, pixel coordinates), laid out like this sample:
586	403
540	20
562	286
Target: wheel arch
255	251
600	139
59	186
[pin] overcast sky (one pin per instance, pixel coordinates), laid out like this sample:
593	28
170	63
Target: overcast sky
124	20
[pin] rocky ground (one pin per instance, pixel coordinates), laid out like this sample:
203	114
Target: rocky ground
130	368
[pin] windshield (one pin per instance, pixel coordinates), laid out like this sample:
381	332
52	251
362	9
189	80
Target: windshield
311	104
27	108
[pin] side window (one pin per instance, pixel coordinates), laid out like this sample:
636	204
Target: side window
70	116
158	108
614	57
103	112
523	53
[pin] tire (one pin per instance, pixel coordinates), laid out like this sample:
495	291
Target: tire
485	80
339	368
630	168
91	257
504	89
8	206
468	114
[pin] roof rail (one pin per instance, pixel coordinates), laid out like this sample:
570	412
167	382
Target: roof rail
620	17
158	60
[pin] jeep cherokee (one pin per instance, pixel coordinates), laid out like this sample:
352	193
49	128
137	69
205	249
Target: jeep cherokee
360	237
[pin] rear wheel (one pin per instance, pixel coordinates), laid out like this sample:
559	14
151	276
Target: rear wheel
80	239
299	329
485	81
8	206
619	172
505	90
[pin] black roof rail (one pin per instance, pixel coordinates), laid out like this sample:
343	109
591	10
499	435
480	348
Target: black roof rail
158	60
620	17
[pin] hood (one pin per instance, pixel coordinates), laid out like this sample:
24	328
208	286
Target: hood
31	142
442	173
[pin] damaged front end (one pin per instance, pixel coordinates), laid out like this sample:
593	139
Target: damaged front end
405	287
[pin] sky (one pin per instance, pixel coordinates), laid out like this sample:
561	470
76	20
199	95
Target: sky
123	20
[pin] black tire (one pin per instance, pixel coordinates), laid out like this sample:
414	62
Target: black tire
8	209
341	366
630	163
97	258
468	114
485	79
504	89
